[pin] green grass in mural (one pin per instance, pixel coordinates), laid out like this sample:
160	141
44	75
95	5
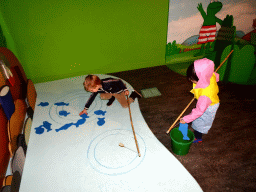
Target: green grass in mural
182	47
183	57
180	68
180	62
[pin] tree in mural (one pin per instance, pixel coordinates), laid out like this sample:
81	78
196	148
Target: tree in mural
172	48
208	30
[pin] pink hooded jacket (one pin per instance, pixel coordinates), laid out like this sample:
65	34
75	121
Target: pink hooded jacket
204	69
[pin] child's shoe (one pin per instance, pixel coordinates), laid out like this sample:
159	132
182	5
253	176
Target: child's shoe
135	95
198	140
111	100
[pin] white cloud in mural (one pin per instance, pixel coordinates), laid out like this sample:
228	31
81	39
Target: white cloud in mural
183	28
243	14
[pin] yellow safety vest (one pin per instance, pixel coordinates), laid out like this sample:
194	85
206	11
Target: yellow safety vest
211	91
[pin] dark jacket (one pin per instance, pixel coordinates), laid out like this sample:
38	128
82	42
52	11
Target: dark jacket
109	85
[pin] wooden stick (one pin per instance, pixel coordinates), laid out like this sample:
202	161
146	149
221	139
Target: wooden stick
180	115
224	60
194	98
132	126
10	141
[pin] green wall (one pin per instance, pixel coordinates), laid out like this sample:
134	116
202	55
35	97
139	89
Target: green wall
56	39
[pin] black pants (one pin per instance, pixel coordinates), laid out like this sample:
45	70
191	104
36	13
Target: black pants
198	135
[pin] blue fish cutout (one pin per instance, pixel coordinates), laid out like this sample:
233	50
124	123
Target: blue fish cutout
39	130
43	104
101	121
63	113
61	104
84	116
100	112
184	130
80	122
47	125
64	127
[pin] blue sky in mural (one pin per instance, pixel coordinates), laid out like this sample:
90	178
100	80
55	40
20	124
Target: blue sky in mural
185	20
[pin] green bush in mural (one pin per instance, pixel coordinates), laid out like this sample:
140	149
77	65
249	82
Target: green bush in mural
241	63
2	39
172	48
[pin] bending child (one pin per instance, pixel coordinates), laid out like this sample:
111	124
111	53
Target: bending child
205	90
109	89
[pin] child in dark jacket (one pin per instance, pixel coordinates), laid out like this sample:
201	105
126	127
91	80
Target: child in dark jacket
109	89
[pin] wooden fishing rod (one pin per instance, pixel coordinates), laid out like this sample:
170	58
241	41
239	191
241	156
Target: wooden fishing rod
133	127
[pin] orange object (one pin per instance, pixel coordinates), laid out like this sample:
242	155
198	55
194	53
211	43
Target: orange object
31	94
17	121
7	180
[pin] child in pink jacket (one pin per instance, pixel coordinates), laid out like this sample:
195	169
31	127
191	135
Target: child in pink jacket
205	90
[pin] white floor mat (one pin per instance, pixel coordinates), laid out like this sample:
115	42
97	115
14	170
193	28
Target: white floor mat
69	153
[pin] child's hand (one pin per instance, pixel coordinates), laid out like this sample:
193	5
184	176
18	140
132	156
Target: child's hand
83	112
182	121
126	92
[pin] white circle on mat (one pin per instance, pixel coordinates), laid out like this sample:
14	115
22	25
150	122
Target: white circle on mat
76	102
107	157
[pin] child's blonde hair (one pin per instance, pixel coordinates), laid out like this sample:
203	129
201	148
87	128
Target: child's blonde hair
91	81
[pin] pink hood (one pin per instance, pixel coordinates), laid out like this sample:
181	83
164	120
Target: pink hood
204	70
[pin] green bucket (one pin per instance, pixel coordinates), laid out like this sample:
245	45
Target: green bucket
180	146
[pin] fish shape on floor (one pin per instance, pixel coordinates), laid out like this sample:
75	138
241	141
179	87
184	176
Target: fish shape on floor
101	121
63	113
84	116
61	104
80	122
100	112
43	104
39	130
64	127
47	125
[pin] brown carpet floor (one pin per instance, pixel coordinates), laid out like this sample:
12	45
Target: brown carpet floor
226	160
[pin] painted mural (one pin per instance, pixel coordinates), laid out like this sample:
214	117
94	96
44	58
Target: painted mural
211	29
